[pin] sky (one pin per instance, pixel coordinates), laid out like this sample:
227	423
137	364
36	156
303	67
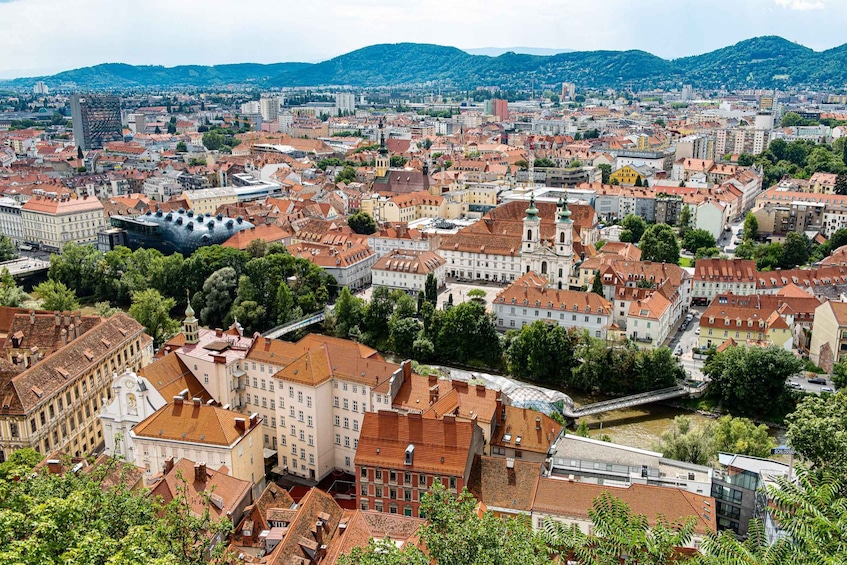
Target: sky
47	36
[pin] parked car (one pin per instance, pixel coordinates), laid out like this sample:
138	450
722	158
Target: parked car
794	385
828	389
817	381
697	331
678	350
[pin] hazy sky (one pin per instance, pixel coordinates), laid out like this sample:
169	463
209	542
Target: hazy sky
45	36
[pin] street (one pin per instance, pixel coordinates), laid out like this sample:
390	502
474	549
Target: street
688	340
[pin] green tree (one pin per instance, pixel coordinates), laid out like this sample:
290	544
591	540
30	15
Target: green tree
213	141
796	250
346	175
638	181
362	223
217	296
659	244
841	181
378	312
745	160
347	312
181	147
597	284
249	314
582	429
696	239
634	226
431	288
817	430
403	333
544	163
619	536
751	381
152	310
455	534
421	300
10	293
740	435
77	267
56	296
686	441
791	119
605	171
105	309
751	227
542	352
7	249
839	374
684	221
397	161
467	333
257	248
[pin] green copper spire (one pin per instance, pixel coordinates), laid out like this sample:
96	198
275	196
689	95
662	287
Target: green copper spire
189	311
532	211
564	213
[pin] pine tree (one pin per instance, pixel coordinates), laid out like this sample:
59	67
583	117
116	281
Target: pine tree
597	284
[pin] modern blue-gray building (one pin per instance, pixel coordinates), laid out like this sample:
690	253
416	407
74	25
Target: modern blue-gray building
176	232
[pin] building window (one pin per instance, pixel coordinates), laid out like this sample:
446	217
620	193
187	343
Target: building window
308	402
309	420
337	439
300	397
346	441
335	401
346	423
363	472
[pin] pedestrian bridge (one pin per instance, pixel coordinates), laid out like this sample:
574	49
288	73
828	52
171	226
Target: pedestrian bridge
307	321
626	402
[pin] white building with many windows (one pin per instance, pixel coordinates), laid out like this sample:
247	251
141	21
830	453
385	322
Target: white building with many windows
324	386
529	299
53	222
408	270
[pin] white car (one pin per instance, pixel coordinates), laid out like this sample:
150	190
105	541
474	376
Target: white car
697	331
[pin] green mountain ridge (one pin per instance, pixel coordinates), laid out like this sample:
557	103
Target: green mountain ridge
753	63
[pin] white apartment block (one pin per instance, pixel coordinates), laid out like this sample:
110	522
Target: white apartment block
11	221
408	270
529	299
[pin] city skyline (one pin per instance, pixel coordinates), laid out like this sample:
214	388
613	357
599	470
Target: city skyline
97	31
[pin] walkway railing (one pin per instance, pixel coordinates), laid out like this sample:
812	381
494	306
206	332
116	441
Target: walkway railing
626	402
279	331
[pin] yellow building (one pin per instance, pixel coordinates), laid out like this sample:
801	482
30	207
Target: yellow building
54	401
627	175
722	322
829	335
207	200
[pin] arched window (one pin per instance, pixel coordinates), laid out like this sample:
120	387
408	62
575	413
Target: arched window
562	237
544	267
529	235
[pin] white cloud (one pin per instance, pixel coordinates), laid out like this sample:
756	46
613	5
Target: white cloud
801	5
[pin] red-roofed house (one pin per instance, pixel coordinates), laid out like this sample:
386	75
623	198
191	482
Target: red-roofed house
399	458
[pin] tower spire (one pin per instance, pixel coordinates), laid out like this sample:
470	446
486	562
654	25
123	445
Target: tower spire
564	213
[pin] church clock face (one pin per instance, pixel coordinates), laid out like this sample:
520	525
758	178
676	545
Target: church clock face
129	384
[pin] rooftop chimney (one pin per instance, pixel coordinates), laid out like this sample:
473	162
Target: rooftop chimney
200	472
64	334
169	465
240	425
538	422
54	466
178	400
32	317
58	318
67	318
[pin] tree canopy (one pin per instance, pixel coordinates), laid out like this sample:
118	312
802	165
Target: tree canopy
362	223
750	381
659	244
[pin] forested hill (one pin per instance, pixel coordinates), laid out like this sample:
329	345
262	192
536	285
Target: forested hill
761	62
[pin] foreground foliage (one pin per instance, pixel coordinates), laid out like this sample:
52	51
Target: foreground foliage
85	519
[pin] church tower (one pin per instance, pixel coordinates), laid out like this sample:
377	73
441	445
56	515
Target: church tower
564	229
190	325
531	227
383	161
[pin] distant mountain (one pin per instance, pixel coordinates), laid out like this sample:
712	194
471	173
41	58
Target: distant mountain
761	62
497	51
